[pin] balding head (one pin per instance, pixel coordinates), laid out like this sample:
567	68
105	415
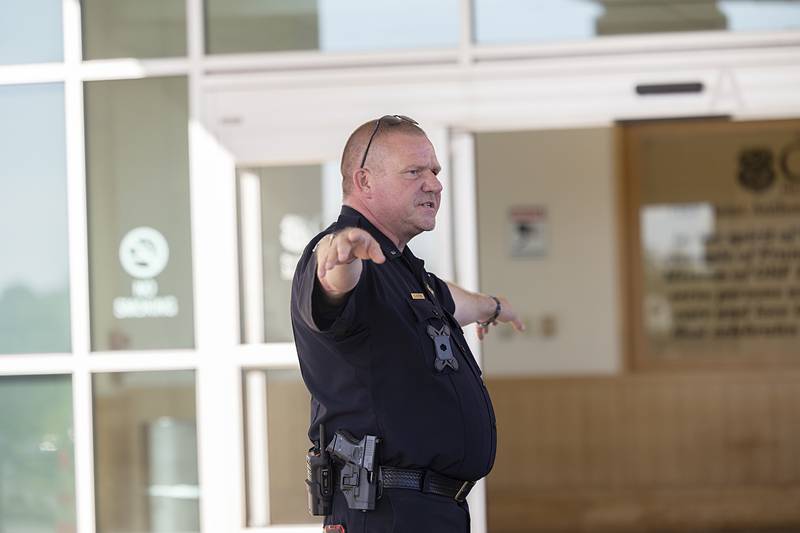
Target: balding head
357	144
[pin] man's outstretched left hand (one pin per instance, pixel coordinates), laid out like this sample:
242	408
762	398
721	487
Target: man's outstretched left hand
507	315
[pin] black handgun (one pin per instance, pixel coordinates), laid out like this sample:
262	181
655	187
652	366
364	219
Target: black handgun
358	478
319	478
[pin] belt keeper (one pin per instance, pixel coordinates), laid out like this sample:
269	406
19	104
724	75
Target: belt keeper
464	491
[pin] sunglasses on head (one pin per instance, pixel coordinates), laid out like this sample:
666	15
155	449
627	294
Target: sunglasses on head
390	120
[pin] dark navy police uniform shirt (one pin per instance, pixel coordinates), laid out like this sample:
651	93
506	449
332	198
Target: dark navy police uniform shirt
369	364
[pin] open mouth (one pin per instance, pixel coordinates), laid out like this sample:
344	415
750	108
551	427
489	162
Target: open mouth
428	204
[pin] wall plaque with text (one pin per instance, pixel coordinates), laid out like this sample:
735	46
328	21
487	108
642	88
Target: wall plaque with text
714	228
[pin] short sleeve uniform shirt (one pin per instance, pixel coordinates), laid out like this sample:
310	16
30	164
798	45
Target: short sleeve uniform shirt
370	364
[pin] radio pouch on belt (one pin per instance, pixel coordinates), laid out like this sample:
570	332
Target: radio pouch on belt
319	478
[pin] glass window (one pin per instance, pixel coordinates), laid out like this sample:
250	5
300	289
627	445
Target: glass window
31	32
328	25
760	15
519	21
277	405
137	167
34	271
37	478
133	28
281	209
146	452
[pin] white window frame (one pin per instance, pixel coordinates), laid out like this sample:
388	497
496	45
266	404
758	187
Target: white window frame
269	356
467	88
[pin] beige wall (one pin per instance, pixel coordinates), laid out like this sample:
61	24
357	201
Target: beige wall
570	173
661	453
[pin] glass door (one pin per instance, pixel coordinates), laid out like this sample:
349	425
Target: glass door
280	206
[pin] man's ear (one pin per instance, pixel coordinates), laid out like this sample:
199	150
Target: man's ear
362	182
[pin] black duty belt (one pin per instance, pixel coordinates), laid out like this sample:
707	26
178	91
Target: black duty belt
425	481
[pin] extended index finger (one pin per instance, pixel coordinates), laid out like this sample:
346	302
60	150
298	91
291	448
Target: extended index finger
375	252
366	243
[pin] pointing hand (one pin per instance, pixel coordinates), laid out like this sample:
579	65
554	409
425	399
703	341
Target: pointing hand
346	246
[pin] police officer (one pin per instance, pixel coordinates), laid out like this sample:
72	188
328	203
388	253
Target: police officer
380	341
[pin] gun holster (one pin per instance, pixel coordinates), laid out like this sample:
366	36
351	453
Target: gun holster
358	473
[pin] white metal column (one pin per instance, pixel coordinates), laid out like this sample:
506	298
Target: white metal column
78	270
462	156
214	264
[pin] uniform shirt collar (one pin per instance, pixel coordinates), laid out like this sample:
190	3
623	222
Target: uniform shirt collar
349	217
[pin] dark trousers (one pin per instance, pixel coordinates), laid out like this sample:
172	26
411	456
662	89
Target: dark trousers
403	511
